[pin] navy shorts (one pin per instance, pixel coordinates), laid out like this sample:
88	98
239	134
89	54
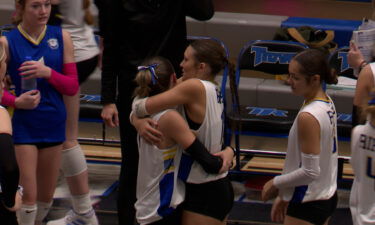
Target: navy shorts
42	144
213	199
315	212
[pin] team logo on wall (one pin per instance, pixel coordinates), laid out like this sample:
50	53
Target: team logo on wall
53	44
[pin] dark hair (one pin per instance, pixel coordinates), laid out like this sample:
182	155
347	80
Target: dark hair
163	70
213	53
312	62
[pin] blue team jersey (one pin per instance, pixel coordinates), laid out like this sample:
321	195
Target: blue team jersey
46	123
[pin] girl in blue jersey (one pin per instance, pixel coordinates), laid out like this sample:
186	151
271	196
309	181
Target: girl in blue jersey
307	187
43	53
202	106
10	197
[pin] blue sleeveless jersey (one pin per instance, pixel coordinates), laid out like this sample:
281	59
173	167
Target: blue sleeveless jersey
46	123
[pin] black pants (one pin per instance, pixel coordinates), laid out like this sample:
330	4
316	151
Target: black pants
85	68
129	150
7	217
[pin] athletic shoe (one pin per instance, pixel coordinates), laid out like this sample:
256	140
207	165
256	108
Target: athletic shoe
73	218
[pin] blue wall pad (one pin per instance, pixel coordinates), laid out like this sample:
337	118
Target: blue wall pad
343	28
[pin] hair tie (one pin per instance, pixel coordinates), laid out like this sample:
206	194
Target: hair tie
151	67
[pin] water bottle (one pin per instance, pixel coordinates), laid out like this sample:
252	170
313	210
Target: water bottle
28	84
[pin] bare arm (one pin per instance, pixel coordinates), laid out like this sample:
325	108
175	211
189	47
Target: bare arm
308	134
5	125
187	92
365	83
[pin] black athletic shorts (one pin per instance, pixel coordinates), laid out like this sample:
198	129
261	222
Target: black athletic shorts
213	199
42	144
315	212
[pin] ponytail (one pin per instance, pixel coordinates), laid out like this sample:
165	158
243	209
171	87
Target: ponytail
89	18
153	77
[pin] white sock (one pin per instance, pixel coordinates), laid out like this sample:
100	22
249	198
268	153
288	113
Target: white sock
26	215
81	203
43	209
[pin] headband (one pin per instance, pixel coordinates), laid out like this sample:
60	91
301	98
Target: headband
151	67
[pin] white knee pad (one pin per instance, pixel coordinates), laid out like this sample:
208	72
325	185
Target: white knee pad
43	209
26	215
73	161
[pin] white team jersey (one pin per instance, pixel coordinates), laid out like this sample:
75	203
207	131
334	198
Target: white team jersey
85	46
325	185
209	133
159	191
362	196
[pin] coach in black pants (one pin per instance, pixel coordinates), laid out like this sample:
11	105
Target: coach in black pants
134	30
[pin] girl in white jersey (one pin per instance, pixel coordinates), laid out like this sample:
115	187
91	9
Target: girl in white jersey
209	197
307	188
159	191
362	201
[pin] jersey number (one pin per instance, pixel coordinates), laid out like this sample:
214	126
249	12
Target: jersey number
369	168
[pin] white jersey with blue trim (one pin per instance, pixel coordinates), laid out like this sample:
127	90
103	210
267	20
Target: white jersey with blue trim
159	191
210	133
325	185
362	195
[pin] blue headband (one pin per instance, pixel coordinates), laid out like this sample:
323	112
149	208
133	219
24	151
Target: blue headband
152	70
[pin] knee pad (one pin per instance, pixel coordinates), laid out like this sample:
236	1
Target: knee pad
73	161
26	215
43	209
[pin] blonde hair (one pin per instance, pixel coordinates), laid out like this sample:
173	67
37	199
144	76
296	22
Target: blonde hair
149	85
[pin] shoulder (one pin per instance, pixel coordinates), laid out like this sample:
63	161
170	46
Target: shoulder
307	120
193	82
5	125
4	41
169	117
366	76
171	121
356	130
192	86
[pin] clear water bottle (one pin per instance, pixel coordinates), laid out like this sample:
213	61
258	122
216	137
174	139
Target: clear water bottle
30	83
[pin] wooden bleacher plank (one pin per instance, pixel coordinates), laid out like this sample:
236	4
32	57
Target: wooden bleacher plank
264	164
101	151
